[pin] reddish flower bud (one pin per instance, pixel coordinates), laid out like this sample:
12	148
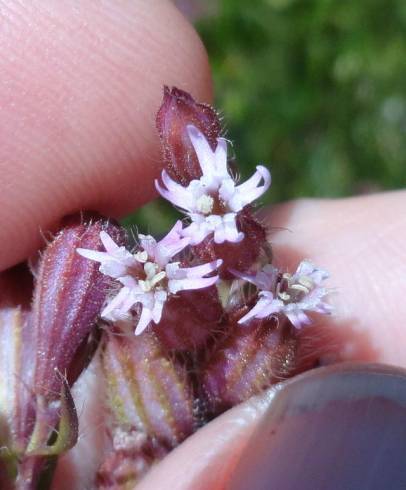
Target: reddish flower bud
17	413
27	432
250	359
69	294
190	320
151	404
43	351
178	110
148	391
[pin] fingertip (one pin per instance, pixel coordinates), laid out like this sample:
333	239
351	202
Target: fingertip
360	242
78	108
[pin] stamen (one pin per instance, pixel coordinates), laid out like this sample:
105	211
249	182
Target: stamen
205	204
161	275
150	269
300	287
306	281
284	296
141	256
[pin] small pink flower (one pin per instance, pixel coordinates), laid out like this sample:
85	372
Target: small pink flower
149	276
213	201
288	294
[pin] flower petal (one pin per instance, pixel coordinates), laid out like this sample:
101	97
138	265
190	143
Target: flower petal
249	191
174	193
203	151
148	243
109	244
197	232
298	318
200	270
119	307
144	320
220	156
266	306
264	279
93	255
176	285
307	268
173	243
159	301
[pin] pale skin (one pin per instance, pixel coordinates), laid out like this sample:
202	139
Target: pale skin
80	86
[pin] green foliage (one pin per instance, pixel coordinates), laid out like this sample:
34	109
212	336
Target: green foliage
315	89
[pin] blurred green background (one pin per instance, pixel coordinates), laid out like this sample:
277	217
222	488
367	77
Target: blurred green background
314	89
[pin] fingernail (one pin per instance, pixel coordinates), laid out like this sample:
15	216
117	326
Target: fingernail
337	428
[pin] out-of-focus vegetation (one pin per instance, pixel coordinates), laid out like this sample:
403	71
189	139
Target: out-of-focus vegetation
316	89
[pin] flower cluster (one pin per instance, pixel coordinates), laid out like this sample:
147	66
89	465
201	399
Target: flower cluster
179	293
215	321
212	203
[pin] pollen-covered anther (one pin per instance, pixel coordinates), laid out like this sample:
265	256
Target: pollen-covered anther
141	256
153	276
205	204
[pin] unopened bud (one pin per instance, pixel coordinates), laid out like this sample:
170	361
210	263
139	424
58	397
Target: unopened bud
179	110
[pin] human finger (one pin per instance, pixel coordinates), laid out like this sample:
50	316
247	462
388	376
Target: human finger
81	83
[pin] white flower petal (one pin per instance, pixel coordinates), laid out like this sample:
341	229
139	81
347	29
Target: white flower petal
265	279
93	255
196	232
249	190
231	231
203	151
200	270
170	245
172	197
227	190
148	243
220	156
113	269
119	307
262	173
110	266
308	269
143	321
266	306
219	235
298	318
176	285
159	302
178	195
172	185
109	244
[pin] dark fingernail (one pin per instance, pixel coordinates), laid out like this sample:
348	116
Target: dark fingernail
336	428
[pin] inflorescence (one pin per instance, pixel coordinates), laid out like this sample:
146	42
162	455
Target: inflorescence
183	327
